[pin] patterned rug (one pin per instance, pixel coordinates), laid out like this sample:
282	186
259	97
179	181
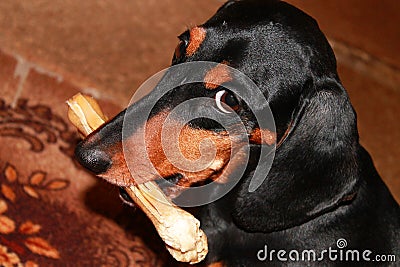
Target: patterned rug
52	212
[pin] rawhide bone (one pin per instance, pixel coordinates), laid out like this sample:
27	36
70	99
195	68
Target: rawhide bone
180	230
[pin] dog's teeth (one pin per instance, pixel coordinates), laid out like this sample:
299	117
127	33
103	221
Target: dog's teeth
216	165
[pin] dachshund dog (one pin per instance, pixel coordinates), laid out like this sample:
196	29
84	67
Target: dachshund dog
322	186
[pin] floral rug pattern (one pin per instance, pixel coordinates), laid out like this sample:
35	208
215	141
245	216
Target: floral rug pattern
44	217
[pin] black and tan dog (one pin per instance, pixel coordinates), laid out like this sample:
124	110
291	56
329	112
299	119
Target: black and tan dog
322	185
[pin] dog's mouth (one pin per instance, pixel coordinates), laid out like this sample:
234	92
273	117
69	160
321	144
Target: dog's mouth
170	178
175	184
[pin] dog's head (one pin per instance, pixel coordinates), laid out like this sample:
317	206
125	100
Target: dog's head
284	53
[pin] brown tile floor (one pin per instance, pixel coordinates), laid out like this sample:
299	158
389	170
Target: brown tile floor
366	24
378	110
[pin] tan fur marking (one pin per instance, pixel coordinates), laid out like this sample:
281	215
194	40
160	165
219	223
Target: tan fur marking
197	36
217	264
217	76
285	135
262	136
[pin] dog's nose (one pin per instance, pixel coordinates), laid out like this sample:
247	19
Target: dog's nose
92	158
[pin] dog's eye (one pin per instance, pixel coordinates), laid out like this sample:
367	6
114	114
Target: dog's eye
228	98
180	49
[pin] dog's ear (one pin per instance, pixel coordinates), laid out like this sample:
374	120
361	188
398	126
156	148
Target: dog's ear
314	170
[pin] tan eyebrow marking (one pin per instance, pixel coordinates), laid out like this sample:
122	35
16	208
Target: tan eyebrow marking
218	75
197	36
262	136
